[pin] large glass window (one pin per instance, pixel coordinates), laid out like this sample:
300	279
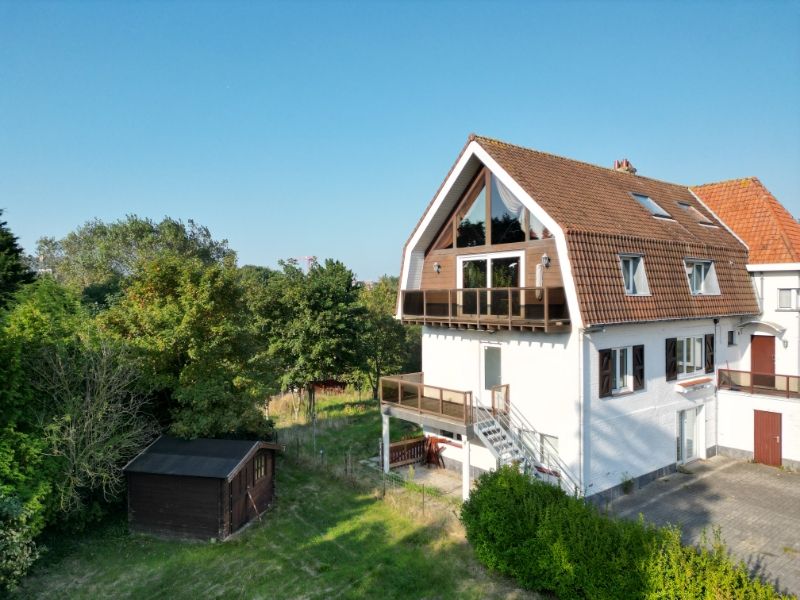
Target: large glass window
505	272
473	273
472	226
508	215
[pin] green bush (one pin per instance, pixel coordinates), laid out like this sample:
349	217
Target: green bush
17	548
549	541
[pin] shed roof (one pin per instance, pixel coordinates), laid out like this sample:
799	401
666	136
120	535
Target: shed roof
218	459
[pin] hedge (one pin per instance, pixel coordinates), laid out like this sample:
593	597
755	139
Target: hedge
551	542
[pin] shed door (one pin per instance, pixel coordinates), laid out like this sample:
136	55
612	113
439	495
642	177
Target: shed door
767	437
762	360
238	500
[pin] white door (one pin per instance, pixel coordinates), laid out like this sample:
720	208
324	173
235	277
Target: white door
491	371
688	438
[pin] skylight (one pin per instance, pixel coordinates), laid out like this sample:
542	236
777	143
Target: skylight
651	206
699	217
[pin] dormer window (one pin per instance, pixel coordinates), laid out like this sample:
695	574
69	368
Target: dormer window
653	208
702	277
633	275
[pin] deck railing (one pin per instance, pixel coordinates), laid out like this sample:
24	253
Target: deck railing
407	452
754	382
411	393
512	306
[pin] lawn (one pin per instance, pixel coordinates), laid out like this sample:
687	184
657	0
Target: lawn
324	538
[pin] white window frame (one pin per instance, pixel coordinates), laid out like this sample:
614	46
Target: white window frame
623	379
698	360
793	299
709	285
638	275
489	256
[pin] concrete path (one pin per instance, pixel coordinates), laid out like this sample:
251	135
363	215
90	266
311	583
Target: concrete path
757	508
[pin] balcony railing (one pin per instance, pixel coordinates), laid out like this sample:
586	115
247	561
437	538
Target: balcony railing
410	392
488	308
769	384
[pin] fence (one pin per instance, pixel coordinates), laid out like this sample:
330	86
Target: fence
769	384
407	452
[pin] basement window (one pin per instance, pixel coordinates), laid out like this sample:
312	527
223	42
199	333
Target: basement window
651	206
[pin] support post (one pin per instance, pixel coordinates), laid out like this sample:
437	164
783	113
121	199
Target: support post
465	468
385	428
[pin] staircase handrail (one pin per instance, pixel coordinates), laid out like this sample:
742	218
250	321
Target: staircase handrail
505	421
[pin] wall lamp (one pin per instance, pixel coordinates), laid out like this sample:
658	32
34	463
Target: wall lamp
545	261
437	268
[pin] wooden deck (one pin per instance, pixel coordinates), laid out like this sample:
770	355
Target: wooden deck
409	393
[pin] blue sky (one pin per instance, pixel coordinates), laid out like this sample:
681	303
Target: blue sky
324	128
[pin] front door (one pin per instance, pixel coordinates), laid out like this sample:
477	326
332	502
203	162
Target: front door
762	360
492	374
767	437
687	437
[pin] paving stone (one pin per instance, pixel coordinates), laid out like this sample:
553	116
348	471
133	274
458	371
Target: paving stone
756	507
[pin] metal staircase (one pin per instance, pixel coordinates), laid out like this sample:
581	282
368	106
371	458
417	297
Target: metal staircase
513	440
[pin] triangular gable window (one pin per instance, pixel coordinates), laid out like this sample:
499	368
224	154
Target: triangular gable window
488	200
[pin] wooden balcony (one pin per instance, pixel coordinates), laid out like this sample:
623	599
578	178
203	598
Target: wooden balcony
488	309
408	396
769	384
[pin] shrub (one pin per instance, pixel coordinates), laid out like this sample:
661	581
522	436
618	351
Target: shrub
549	541
17	548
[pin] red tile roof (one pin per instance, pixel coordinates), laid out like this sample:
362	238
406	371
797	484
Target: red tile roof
601	219
756	216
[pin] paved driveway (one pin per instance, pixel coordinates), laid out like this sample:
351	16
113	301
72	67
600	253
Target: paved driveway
757	508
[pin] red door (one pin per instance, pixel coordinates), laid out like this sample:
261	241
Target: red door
767	438
762	360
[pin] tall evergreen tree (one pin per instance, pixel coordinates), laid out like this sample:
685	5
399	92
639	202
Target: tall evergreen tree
13	270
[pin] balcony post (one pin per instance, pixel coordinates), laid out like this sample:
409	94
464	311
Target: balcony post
385	439
419	398
509	309
546	310
441	401
465	467
449	306
399	392
478	305
425	305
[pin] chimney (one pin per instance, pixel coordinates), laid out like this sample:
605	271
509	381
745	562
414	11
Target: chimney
624	166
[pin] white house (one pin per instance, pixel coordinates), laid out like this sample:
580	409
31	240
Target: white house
573	319
758	406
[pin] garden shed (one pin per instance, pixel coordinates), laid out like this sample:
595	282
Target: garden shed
199	488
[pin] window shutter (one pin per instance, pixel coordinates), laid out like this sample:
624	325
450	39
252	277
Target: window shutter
709	353
605	373
672	359
638	368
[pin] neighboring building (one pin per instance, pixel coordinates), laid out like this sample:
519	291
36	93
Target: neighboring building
572	317
759	410
199	488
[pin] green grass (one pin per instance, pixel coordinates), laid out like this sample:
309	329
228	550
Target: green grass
324	538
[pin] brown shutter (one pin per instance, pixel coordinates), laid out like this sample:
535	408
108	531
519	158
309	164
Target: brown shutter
638	367
605	373
672	359
709	353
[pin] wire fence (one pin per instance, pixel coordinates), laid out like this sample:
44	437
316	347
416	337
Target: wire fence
398	488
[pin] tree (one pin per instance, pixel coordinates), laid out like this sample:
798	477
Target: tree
14	272
99	419
385	341
98	256
191	324
315	321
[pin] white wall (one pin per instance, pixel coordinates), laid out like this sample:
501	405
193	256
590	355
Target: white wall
634	434
541	369
736	421
767	284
